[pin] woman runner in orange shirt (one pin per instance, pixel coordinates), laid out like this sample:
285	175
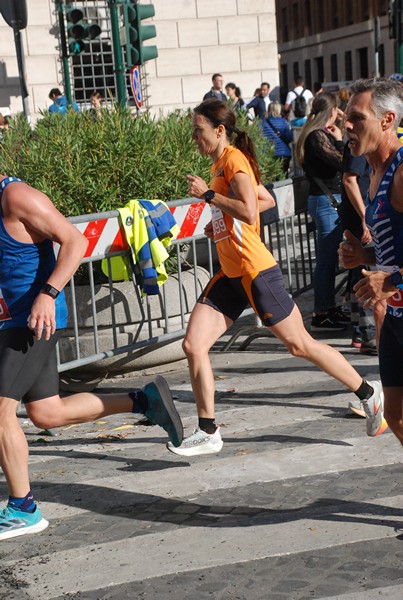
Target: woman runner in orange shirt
249	274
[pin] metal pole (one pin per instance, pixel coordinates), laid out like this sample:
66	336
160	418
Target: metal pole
117	53
377	36
19	47
399	44
65	54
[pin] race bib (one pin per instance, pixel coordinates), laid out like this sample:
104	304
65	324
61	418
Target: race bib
4	312
220	230
395	304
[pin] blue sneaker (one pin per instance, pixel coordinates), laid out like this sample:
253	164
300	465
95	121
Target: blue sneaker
15	522
161	409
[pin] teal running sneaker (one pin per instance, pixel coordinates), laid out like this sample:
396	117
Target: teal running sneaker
15	522
161	409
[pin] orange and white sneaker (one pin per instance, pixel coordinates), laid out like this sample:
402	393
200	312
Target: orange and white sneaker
373	408
357	408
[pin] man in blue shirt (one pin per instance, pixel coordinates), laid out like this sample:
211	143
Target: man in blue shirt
60	103
33	312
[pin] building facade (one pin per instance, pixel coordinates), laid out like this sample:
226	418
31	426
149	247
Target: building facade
195	38
333	40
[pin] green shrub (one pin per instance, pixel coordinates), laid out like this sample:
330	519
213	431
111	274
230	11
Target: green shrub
87	164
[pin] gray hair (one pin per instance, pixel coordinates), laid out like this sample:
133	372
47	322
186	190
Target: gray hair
387	96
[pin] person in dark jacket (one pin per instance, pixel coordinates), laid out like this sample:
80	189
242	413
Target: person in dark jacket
258	104
276	128
216	90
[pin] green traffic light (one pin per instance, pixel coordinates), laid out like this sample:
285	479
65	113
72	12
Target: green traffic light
76	46
137	33
79	30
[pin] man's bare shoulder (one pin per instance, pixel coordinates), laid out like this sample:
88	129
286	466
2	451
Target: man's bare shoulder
17	193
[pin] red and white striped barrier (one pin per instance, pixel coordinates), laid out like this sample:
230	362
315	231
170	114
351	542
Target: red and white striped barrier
104	236
107	235
191	218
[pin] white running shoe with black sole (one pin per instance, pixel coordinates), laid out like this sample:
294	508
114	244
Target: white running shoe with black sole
199	443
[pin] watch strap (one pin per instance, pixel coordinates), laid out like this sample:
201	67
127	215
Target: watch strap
209	195
50	291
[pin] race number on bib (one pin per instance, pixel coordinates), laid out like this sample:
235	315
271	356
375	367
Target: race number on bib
219	227
4	312
395	304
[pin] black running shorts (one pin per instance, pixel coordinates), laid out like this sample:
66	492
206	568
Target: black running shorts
391	352
264	291
28	367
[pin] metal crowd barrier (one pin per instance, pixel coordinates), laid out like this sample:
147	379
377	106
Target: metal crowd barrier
109	319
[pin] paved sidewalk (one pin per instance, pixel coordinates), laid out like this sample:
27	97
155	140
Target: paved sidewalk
299	504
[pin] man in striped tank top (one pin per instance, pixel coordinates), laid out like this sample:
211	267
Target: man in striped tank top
373	115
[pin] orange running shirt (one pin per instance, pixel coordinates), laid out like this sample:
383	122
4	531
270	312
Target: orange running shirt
239	247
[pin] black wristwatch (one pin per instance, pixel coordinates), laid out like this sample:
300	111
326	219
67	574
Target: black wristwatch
396	279
50	291
209	195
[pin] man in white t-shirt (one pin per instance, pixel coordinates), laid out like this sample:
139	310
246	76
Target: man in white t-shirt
297	119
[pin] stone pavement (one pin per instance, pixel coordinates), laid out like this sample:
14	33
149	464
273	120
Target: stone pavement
300	504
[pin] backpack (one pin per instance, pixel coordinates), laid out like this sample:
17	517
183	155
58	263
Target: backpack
300	105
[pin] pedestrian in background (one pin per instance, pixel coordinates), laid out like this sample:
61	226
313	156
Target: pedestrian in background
343	98
60	105
319	152
258	103
216	89
354	193
235	96
4	125
96	101
276	128
297	102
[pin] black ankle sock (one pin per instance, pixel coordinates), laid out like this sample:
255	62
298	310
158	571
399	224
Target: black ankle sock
365	391
140	402
25	504
207	425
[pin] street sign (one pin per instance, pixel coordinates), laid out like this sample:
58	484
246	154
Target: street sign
136	86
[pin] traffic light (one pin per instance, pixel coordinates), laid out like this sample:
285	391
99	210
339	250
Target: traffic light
79	30
137	33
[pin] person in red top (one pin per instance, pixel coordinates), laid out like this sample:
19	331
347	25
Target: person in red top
249	274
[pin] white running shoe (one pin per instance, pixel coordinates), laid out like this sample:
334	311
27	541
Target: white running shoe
373	407
198	443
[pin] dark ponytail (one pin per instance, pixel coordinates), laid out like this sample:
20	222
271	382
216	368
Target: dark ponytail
245	144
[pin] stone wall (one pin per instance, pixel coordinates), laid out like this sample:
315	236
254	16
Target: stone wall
195	38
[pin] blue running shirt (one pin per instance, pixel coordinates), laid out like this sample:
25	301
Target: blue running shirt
24	269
